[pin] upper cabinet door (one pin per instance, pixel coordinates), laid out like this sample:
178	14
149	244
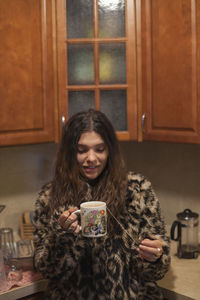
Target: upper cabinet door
170	69
26	72
97	61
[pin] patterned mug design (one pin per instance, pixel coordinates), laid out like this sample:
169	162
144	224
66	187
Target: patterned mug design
95	222
93	218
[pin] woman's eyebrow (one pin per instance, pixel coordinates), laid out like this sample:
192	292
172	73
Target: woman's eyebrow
97	145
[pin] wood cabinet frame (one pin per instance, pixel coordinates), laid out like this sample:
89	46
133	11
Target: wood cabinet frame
130	86
27	117
169	89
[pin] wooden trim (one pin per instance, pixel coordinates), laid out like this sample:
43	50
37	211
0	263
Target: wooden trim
139	68
96	54
95	19
123	135
148	60
131	70
96	40
55	70
194	64
25	137
48	116
44	57
97	99
62	62
198	65
97	86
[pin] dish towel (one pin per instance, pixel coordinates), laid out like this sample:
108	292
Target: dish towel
27	278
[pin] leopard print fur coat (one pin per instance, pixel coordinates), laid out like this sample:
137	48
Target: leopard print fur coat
108	267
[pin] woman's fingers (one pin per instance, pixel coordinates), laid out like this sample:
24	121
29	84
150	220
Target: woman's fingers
68	220
147	255
77	230
150	250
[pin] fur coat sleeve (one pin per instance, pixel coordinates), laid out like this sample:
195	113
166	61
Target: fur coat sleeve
53	256
145	211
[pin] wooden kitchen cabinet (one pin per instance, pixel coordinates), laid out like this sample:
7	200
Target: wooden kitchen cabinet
36	296
96	42
168	57
161	73
26	72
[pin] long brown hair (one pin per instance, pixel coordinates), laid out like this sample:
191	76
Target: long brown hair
68	188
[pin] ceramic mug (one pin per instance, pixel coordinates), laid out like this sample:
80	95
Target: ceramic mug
93	218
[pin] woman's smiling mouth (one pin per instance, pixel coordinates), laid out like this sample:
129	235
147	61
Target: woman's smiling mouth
90	169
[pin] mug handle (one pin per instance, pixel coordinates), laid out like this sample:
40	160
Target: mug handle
78	211
172	233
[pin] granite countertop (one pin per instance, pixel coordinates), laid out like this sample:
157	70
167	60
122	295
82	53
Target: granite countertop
183	276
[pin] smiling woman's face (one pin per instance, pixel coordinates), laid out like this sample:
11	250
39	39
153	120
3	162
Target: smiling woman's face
92	154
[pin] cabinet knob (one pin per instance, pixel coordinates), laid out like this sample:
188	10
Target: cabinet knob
143	119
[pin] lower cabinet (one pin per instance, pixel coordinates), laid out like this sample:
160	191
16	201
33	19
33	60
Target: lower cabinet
169	295
37	296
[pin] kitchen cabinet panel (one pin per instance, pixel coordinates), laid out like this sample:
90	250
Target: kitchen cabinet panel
152	58
107	64
26	73
170	69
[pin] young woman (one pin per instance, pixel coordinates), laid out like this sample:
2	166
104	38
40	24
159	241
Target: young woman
125	263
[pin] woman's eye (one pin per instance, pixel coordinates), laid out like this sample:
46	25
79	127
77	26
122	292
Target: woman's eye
81	151
100	150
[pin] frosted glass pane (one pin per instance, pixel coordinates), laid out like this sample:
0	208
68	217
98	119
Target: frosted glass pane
111	18
79	101
79	18
113	104
112	63
80	64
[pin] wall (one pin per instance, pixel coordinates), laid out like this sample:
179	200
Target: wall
173	169
23	170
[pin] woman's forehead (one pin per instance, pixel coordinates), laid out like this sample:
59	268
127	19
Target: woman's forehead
90	138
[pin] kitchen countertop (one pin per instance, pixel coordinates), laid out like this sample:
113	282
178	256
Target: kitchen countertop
181	282
23	291
183	276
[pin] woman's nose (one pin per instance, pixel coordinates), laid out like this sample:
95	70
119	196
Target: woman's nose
91	156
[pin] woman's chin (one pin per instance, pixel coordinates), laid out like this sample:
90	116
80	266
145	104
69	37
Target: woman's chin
91	176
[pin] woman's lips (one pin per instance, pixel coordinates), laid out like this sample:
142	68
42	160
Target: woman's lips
90	169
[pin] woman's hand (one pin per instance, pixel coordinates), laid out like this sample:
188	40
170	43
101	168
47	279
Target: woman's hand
150	250
69	221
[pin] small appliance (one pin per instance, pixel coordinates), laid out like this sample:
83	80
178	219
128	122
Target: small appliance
186	227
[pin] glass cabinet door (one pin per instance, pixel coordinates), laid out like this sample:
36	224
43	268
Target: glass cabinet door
96	60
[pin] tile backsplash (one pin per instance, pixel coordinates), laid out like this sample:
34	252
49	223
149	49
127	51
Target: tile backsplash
23	170
173	169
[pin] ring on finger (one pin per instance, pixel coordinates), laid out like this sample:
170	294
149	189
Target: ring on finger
159	252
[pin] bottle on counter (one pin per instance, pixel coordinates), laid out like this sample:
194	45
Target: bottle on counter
14	271
3	280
